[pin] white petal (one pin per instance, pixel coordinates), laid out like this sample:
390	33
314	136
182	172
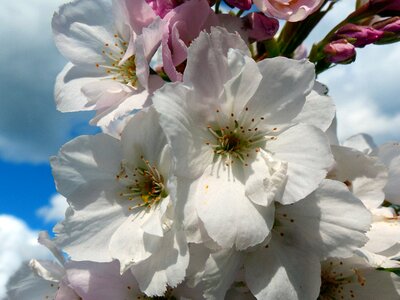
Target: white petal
265	180
318	110
68	88
85	234
283	271
383	235
47	270
82	28
165	267
180	120
366	281
220	272
331	220
143	135
364	175
389	154
306	150
130	244
207	67
243	83
228	215
274	99
25	285
361	142
85	160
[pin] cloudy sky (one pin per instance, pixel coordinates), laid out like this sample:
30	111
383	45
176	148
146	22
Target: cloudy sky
31	129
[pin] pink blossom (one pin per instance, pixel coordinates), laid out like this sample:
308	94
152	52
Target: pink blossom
290	10
260	27
340	51
183	27
162	7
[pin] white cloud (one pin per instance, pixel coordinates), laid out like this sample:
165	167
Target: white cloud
55	211
18	244
30	127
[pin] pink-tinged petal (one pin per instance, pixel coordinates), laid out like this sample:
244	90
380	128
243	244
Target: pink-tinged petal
139	13
173	49
292	11
68	88
94	281
166	267
273	99
190	24
207	67
229	217
145	46
307	153
82	28
65	292
123	107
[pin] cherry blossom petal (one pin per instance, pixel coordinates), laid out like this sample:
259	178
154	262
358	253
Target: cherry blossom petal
318	110
95	281
68	87
82	28
207	67
273	99
85	160
167	265
308	163
221	203
278	271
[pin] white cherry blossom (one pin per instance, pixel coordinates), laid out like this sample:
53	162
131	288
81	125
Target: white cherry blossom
109	47
122	203
230	127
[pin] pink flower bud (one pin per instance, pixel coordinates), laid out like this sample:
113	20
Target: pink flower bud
359	36
340	51
390	28
393	26
260	27
241	4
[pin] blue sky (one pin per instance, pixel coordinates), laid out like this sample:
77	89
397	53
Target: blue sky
31	129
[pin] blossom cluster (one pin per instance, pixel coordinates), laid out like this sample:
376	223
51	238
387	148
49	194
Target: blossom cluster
218	173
